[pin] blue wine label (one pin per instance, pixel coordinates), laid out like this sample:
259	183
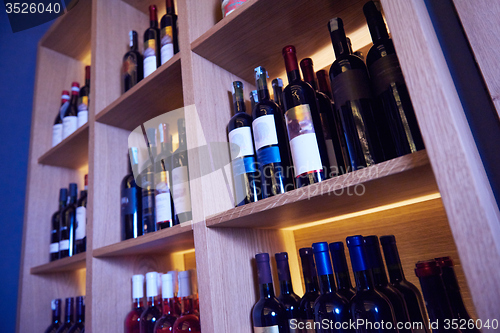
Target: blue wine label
264	131
268	329
268	155
241	138
244	165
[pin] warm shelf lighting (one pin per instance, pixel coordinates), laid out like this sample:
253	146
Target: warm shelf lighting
368	211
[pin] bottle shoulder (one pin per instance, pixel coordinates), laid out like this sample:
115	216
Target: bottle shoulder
346	63
151	312
379	50
240	119
264	108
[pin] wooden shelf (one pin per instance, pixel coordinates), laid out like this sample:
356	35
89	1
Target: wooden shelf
158	93
400	179
70	33
72	152
62	265
266	27
177	238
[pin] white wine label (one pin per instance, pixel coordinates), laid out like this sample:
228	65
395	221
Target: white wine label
167	52
163	207
149	65
54	247
264	131
81	222
83	117
64	245
303	144
331	154
269	329
70	124
241	138
57	134
181	192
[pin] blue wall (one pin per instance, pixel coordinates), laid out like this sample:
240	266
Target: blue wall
18	60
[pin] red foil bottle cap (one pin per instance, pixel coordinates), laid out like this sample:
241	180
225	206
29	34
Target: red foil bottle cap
444	261
86	180
87	72
65	92
427	268
153	16
290	56
306	65
75	84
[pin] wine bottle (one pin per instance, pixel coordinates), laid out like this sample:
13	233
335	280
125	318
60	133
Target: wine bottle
70	118
81	220
68	216
288	299
436	299
330	306
132	66
57	128
152	313
254	99
382	284
180	177
368	304
167	320
454	296
398	129
56	225
152	43
245	170
270	140
268	315
312	289
133	318
307	142
344	286
326	116
68	316
164	202
352	96
338	139
131	199
148	185
83	100
278	92
80	316
176	310
168	33
411	294
55	305
188	321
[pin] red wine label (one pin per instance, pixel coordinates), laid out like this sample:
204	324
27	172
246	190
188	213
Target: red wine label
149	56
54	247
70	124
269	329
57	134
180	188
303	143
167	44
264	131
81	222
163	203
240	140
229	6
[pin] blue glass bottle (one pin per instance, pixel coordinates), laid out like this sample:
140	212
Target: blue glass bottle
330	306
368	304
267	314
344	286
312	289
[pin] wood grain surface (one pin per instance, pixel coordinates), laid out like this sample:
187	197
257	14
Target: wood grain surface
72	263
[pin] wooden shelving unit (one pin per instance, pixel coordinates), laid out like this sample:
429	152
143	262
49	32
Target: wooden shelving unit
436	202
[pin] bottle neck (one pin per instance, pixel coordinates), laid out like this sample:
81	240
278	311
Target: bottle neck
80	314
170	7
326	283
72	199
286	287
74	98
137	303
376	24
62	204
379	276
364	280
293	75
152	300
186	305
278	94
239	106
153	23
263	94
182	139
56	316
343	280
396	273
339	42
311	284
168	306
266	290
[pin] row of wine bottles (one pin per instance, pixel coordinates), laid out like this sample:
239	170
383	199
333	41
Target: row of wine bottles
330	303
175	311
157	196
73	112
312	132
70	325
69	223
160	44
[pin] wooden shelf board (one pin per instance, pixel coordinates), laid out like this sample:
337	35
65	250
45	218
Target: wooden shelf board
70	33
266	27
72	152
158	93
177	238
400	179
62	265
